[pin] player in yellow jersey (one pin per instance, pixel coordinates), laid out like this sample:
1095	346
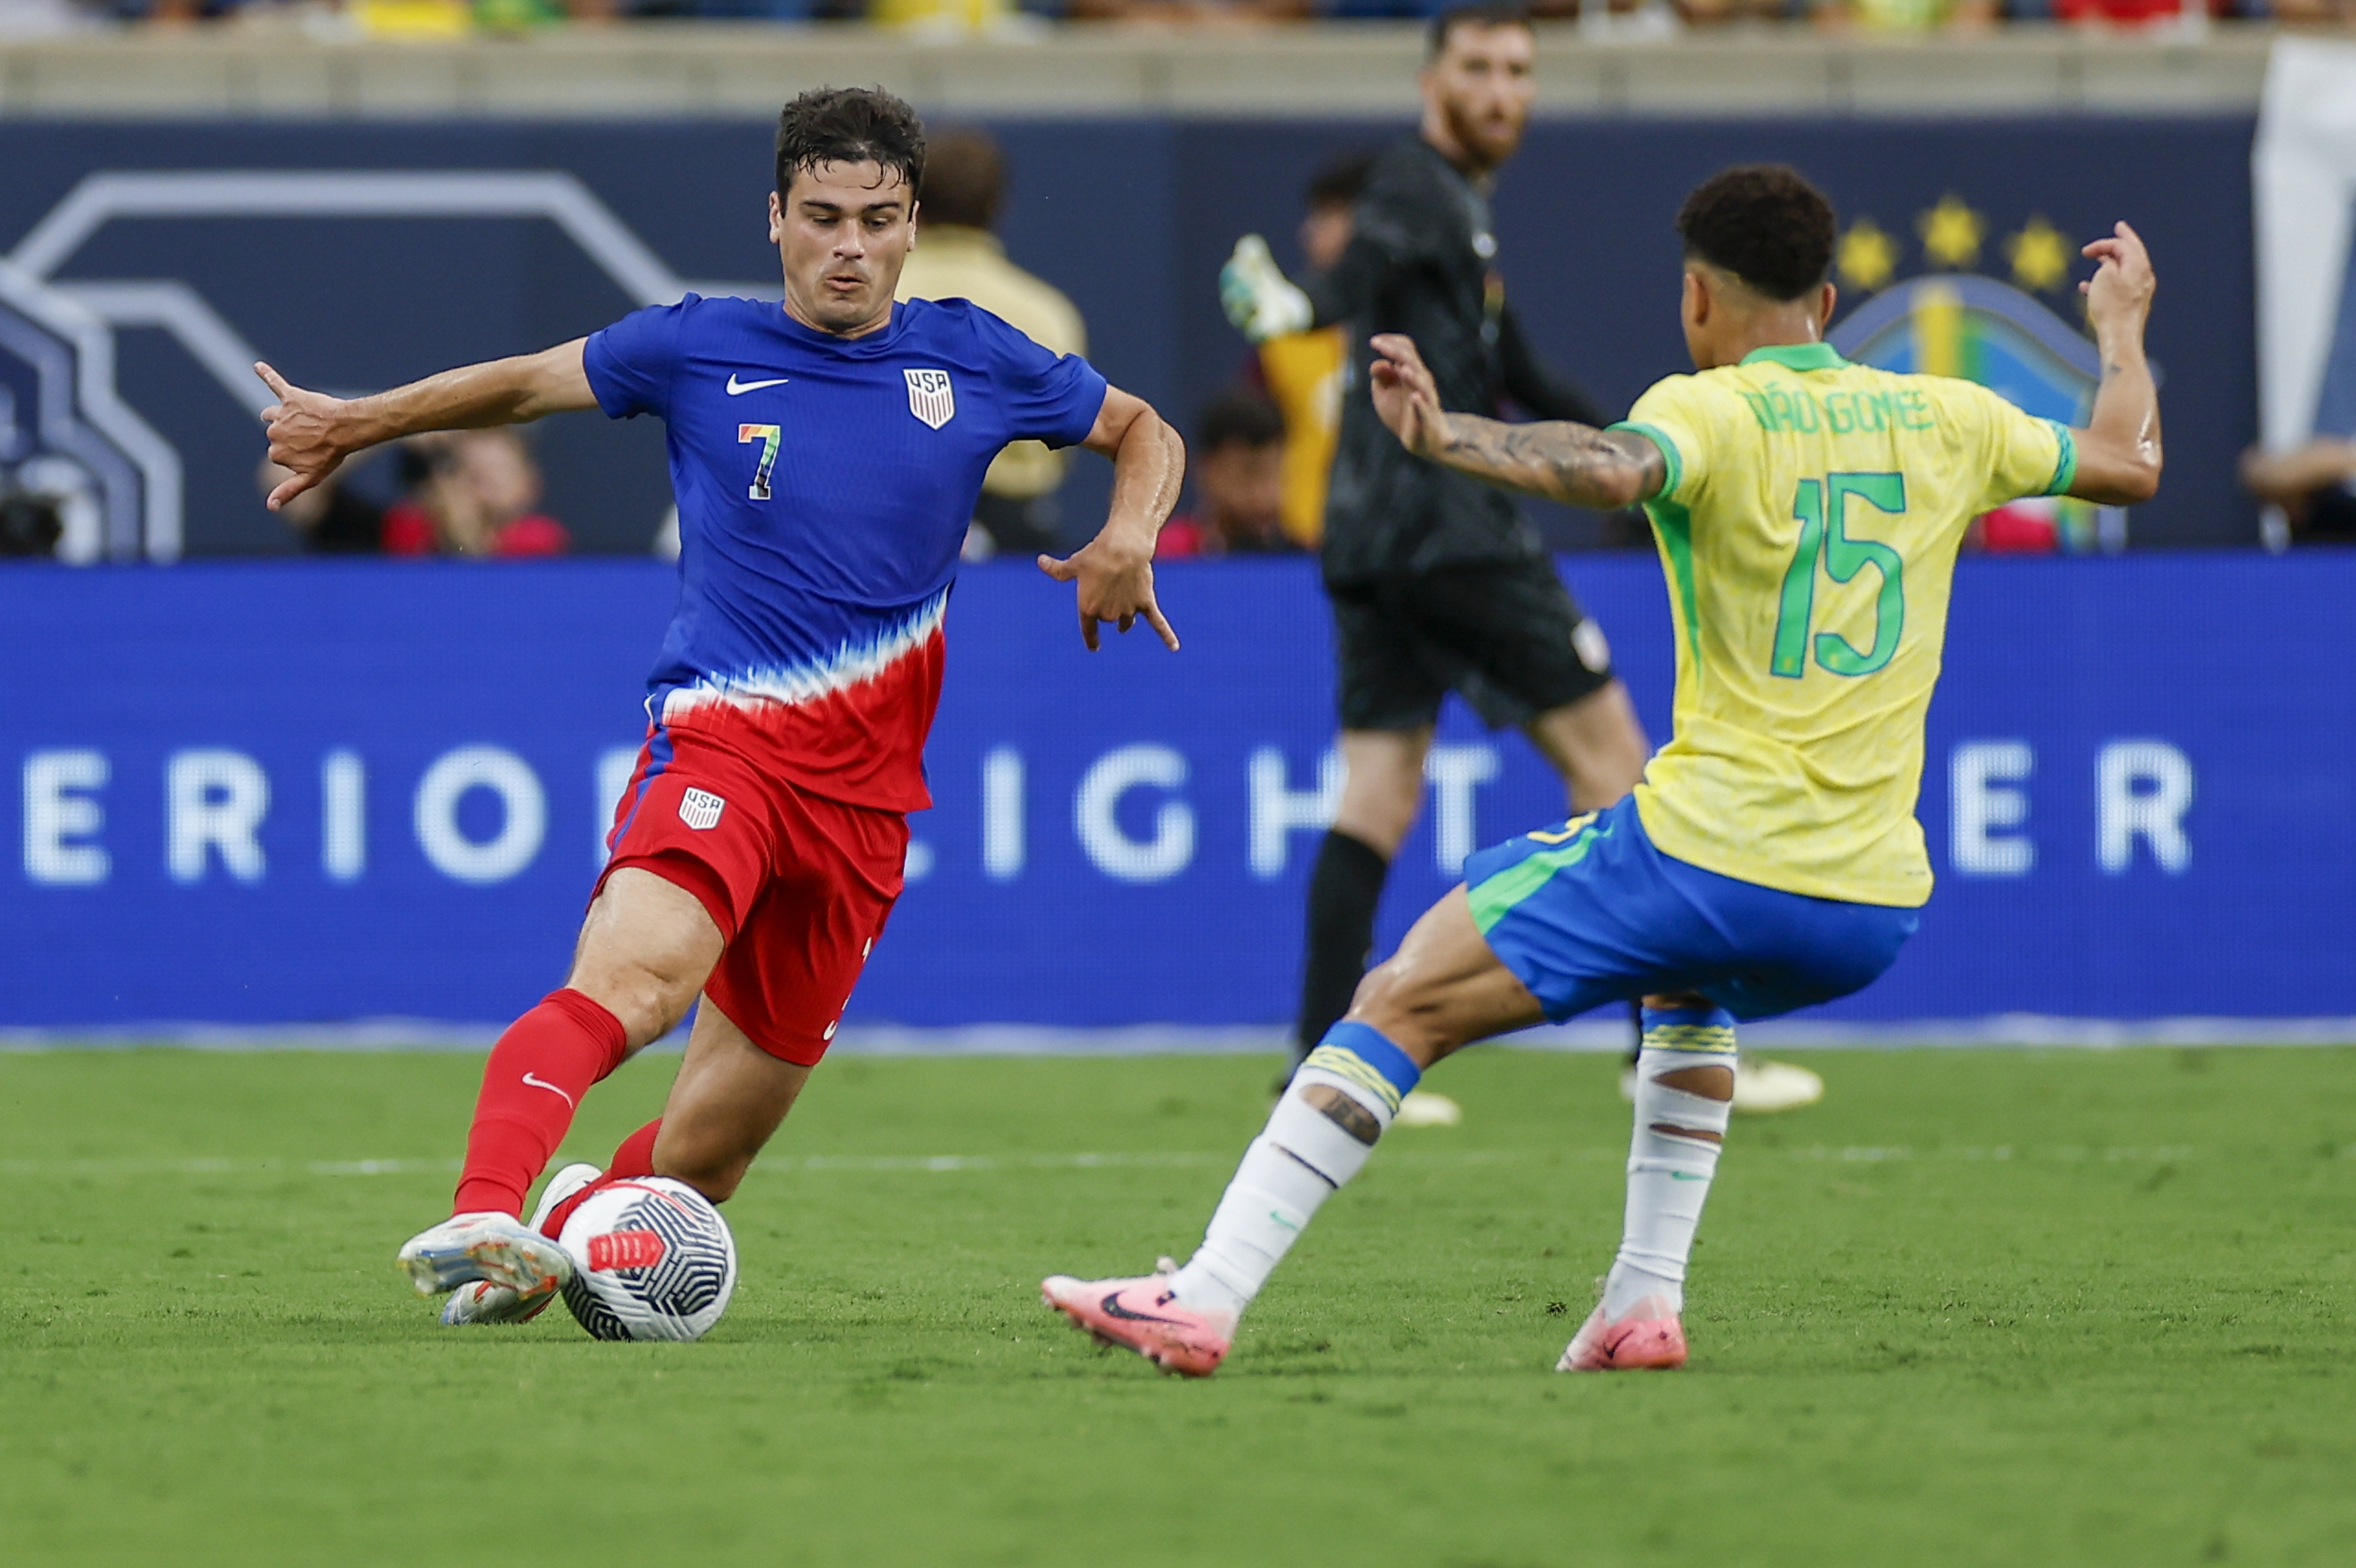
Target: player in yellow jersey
1808	512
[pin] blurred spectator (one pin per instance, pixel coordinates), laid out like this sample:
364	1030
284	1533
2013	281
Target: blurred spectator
54	508
1617	20
958	257
331	519
1908	15
475	499
1719	13
1237	466
949	18
1211	12
2314	486
1302	371
29	526
2130	13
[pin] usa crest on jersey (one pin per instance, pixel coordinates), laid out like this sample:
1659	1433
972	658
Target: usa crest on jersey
701	809
930	396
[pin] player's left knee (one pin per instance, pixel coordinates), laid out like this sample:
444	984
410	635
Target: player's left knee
1407	1008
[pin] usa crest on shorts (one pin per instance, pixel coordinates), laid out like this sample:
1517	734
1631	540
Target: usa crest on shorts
701	809
930	396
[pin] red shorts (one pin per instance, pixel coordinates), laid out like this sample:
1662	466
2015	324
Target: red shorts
799	885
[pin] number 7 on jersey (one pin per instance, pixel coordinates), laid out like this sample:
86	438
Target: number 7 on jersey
768	435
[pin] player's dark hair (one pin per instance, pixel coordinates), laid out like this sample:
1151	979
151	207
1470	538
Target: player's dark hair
1239	418
850	125
965	178
1764	223
1339	182
1481	14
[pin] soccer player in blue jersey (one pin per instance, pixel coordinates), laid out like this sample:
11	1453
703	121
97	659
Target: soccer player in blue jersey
826	456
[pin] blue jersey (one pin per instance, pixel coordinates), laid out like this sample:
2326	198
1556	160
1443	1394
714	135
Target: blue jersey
824	488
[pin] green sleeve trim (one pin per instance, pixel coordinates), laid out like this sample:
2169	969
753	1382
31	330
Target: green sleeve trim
1670	459
2065	467
1673	527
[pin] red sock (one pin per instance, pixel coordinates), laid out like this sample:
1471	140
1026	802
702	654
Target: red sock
537	1074
635	1157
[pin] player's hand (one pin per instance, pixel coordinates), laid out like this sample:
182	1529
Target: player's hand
1116	579
1406	396
309	435
2119	293
1258	298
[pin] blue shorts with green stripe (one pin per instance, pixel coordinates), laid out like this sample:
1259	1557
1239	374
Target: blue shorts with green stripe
1590	913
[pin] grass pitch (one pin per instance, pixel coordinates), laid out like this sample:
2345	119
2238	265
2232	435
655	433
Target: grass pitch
1979	1307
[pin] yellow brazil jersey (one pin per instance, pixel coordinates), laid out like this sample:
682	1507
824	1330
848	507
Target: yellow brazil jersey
1808	525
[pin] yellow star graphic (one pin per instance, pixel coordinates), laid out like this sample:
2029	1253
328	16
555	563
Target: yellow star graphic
1866	256
2040	256
1950	233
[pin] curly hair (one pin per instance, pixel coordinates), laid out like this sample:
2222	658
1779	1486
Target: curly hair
1764	223
850	125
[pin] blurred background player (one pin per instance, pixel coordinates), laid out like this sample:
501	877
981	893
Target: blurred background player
1438	583
826	466
1238	466
1303	371
959	258
2313	484
1770	860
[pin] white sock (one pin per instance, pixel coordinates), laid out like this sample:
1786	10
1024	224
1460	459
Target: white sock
1300	1158
1668	1177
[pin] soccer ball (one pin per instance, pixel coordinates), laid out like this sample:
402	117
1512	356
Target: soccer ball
652	1259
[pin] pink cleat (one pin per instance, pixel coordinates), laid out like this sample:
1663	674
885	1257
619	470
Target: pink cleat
1650	1338
1144	1315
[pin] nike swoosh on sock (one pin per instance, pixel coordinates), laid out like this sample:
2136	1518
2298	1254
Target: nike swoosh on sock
545	1083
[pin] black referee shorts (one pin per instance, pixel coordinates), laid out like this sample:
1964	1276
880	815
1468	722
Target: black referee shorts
1507	635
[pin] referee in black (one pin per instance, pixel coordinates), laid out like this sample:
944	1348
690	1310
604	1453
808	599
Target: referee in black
1437	581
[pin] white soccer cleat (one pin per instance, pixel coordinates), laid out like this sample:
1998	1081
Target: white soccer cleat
1762	1088
1422	1108
484	1302
490	1246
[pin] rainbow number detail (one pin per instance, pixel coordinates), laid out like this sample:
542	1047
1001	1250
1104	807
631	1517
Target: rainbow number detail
768	435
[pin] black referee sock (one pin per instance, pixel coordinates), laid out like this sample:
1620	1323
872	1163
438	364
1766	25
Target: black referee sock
1342	893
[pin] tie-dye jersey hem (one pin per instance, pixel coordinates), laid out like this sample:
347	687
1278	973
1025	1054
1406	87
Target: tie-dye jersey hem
849	725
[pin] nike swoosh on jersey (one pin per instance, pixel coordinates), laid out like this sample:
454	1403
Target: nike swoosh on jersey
1113	1308
545	1083
737	388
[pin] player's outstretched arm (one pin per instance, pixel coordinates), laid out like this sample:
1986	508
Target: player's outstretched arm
1575	464
2118	452
1115	570
312	434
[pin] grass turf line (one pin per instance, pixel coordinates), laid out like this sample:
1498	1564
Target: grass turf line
1979	1307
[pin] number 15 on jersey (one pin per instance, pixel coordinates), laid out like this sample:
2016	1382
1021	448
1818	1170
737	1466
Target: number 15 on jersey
1821	507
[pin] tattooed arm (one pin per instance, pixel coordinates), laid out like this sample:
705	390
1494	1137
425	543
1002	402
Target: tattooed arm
1562	462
